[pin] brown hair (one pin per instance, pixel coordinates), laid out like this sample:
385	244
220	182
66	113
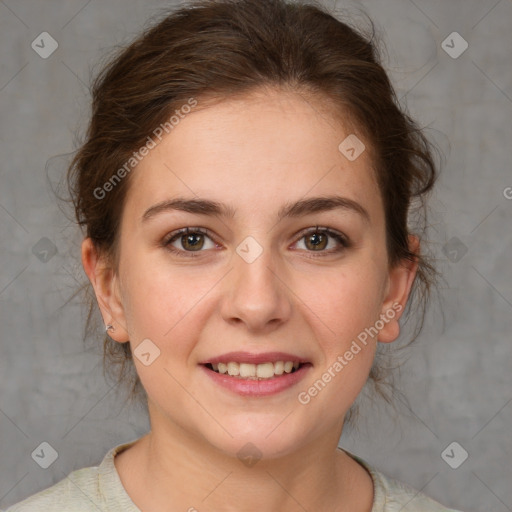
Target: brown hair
219	49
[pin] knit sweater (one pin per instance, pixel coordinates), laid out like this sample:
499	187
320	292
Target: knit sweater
99	489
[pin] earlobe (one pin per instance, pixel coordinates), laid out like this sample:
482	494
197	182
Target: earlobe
103	280
400	281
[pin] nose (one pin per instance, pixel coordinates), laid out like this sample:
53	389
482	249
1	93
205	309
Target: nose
256	294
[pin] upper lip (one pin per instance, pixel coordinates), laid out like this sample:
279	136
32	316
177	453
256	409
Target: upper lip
247	357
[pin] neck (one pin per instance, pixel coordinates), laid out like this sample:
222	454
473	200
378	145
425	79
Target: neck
179	468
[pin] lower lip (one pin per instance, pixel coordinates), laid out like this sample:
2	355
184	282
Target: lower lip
264	387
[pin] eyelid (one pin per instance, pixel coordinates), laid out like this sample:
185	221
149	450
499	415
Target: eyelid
323	229
189	229
340	237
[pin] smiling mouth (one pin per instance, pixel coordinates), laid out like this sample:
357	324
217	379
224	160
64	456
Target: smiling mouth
251	371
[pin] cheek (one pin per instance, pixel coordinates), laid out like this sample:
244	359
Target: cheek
343	308
162	304
343	302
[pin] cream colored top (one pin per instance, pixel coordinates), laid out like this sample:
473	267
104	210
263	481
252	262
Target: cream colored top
99	489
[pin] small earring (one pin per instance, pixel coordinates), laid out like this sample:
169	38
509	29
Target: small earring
108	327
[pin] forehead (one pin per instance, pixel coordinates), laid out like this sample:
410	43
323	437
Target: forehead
255	151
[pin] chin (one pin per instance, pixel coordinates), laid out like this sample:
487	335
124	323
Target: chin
258	436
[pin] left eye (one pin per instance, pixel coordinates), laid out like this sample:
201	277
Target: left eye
317	240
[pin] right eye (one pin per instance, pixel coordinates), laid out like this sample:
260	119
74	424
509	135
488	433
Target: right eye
191	240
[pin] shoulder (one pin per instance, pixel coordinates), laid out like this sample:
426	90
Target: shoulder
391	495
399	496
83	490
76	492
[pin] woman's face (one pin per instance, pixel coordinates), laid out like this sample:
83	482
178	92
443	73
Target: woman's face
263	286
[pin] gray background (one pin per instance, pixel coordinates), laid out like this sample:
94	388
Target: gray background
457	377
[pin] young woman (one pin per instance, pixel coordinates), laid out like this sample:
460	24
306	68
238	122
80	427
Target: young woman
245	188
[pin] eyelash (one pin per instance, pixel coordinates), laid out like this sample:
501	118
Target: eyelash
340	238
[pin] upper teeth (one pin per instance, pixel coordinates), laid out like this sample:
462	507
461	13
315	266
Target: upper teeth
262	371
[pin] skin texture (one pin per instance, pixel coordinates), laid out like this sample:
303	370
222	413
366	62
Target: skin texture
254	154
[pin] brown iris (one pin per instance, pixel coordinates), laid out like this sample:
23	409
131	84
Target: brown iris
319	240
190	241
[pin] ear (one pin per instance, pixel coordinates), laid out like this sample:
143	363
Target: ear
105	284
400	280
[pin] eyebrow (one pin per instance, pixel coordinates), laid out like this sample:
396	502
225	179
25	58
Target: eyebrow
298	209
